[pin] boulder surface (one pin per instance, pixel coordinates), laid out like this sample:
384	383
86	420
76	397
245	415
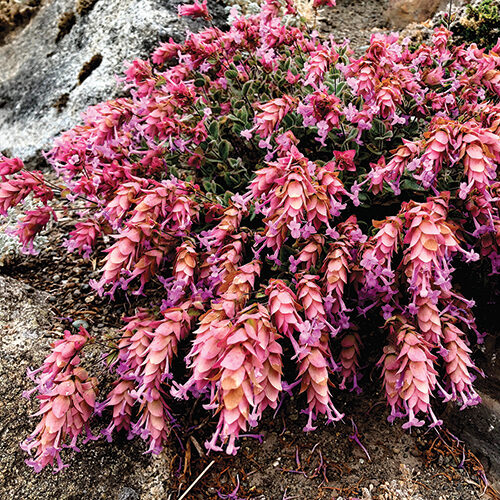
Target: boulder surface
66	58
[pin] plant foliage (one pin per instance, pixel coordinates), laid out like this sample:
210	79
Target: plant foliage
480	23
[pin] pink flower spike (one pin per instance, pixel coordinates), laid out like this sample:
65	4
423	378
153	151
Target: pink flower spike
195	10
9	166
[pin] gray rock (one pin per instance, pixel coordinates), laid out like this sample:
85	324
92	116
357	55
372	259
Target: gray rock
23	317
479	428
14	14
78	323
65	59
128	494
403	12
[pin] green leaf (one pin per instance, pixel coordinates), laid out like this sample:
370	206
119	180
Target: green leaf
110	358
363	197
378	127
238	128
161	81
235	119
411	185
288	121
214	130
340	88
373	149
247	87
231	74
351	135
243	115
224	148
235	163
239	104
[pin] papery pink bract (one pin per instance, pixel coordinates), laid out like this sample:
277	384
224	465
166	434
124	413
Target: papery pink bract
67	398
416	375
196	9
32	223
271	113
458	365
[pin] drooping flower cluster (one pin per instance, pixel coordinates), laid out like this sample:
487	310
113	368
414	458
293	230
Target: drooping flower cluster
243	359
67	399
242	175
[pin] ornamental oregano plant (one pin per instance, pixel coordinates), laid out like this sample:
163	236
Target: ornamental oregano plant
241	176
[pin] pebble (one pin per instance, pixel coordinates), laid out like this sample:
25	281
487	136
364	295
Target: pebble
128	494
78	323
56	278
52	299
